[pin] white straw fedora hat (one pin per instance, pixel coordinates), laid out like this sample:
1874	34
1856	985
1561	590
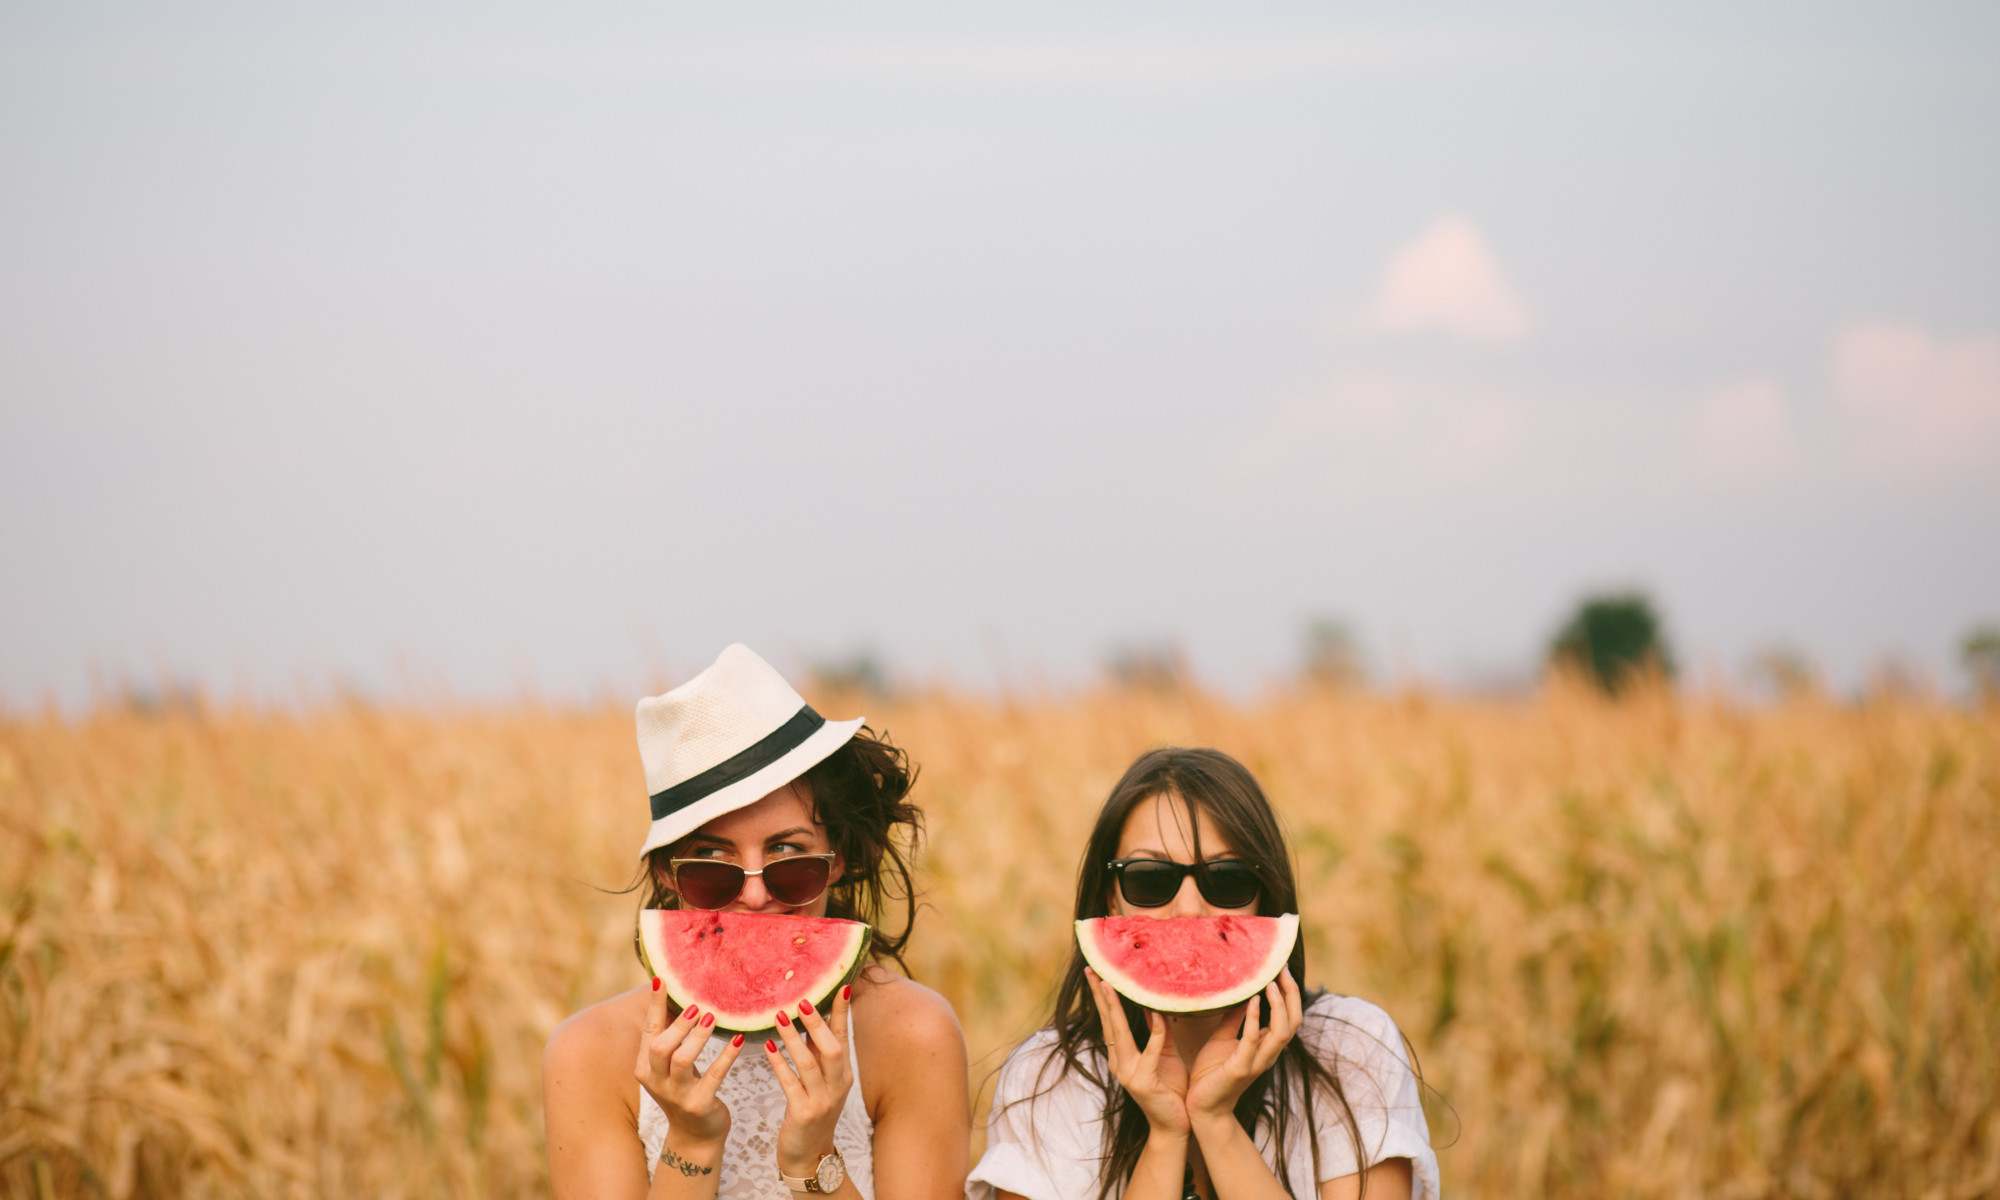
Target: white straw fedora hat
726	739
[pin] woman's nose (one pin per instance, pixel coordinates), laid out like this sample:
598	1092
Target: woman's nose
1188	902
754	897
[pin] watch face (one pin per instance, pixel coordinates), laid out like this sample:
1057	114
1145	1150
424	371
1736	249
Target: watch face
831	1172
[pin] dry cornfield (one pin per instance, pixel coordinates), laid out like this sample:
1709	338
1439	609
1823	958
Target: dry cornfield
1666	946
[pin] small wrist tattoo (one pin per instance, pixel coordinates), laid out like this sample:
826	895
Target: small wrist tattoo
682	1165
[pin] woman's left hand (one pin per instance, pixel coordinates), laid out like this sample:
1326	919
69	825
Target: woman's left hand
816	1082
1235	1055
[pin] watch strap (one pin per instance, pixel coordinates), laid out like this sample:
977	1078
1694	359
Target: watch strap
809	1184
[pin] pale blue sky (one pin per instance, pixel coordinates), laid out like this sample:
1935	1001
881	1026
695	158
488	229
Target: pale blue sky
547	347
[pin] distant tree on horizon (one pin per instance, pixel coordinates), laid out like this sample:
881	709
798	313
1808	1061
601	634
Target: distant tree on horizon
1980	652
859	672
1332	657
1611	639
1153	666
1787	671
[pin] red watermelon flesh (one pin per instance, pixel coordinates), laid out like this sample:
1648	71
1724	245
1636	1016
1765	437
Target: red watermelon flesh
1188	964
745	967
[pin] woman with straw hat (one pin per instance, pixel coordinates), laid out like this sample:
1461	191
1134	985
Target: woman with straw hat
760	805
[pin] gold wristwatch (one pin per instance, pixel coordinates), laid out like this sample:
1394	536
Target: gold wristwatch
826	1178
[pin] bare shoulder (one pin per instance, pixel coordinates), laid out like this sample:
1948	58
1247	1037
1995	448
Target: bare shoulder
599	1043
911	1049
590	1101
890	1009
913	1081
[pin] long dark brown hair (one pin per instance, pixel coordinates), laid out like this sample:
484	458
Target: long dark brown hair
860	793
1210	782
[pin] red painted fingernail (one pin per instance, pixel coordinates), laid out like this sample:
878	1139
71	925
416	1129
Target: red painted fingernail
690	1012
771	1047
656	983
737	1040
804	1008
707	1020
847	993
783	1019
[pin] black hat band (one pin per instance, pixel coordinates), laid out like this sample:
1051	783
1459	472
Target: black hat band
741	765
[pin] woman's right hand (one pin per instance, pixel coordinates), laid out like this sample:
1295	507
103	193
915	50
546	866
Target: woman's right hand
1156	1077
666	1070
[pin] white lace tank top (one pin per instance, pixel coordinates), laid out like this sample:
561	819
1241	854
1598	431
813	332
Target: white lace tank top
756	1109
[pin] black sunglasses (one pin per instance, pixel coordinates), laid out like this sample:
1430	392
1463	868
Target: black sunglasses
1152	882
712	883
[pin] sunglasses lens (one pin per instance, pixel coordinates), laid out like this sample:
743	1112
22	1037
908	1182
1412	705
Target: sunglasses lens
709	885
797	881
1149	884
1229	884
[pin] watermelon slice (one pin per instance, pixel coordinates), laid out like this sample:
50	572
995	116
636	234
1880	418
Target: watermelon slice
1187	964
744	967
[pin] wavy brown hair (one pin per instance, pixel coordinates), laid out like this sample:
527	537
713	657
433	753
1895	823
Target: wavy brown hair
860	793
1210	782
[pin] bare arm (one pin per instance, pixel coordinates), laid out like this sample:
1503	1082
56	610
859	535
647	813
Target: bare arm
915	1065
1390	1179
593	1127
697	1121
1224	1068
590	1103
1156	1078
816	1081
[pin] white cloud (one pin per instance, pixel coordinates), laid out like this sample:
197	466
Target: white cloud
1447	281
1371	431
1423	435
1911	407
1918	394
1742	423
1411	434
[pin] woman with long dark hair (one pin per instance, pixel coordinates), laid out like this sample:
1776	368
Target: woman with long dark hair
760	805
1290	1095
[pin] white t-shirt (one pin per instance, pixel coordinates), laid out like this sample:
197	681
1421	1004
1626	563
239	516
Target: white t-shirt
1050	1148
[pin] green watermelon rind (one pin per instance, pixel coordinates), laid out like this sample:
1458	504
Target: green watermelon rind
818	993
1252	982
